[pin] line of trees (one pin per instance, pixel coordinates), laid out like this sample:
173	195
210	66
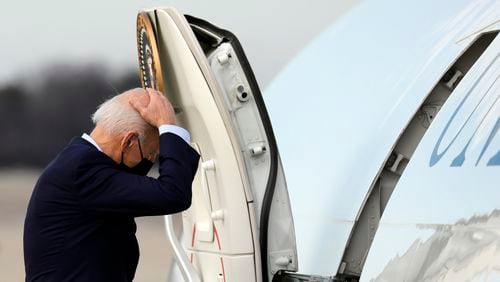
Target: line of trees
40	114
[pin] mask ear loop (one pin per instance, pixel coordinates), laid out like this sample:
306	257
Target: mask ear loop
140	149
121	161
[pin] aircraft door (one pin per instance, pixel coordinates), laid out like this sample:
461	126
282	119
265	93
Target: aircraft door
240	203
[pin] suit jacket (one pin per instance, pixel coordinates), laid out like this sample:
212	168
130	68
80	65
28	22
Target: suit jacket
80	220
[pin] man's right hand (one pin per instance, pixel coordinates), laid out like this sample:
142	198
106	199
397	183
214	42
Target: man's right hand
154	108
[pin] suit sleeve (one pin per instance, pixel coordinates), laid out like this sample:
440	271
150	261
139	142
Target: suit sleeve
106	189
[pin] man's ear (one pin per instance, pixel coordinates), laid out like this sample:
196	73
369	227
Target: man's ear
127	140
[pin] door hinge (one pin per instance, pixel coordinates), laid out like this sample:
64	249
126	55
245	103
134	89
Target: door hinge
284	276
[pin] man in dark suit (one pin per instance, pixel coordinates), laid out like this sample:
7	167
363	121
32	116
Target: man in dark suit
80	220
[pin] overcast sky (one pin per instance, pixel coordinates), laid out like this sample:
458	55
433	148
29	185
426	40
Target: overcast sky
40	33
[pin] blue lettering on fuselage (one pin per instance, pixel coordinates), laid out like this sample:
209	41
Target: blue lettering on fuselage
461	157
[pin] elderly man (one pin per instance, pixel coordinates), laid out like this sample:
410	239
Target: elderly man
80	220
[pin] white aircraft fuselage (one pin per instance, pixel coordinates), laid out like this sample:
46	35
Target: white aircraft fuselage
382	162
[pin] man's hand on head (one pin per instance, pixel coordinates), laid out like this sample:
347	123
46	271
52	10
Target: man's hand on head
154	108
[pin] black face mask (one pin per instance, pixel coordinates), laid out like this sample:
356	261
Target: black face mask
142	168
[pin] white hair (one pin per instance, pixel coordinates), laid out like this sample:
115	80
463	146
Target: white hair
117	116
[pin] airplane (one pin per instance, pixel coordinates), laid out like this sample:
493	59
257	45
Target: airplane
373	156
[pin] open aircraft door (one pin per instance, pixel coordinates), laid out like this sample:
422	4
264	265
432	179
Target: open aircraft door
239	226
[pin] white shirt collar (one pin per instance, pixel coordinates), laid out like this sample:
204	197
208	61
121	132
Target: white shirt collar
92	141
